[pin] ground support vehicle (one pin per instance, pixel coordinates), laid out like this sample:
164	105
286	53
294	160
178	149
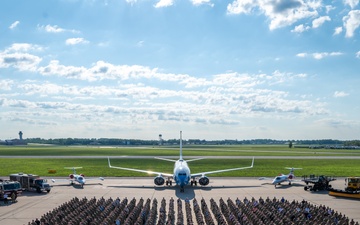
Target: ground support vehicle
343	193
11	188
352	184
31	182
352	189
317	183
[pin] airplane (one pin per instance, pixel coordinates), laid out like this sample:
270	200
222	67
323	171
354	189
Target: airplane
181	173
77	178
283	177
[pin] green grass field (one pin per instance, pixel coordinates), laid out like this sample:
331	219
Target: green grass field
99	167
191	150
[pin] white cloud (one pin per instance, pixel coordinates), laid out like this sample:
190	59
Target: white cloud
351	22
358	54
6	84
75	41
302	54
17	56
23	47
55	29
329	8
164	3
227	94
103	44
281	13
14	24
103	70
351	3
339	94
131	1
319	55
300	28
238	7
338	30
21	61
202	2
51	29
140	44
319	21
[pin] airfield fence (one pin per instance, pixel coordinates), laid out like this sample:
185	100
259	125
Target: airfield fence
233	212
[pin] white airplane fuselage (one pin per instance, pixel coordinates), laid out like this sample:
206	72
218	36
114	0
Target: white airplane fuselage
280	179
182	173
80	179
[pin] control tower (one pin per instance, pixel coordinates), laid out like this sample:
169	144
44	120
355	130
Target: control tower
160	139
20	135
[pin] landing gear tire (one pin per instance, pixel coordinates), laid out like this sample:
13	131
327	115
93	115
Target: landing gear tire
193	183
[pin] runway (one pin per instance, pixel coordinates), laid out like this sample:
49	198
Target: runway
32	205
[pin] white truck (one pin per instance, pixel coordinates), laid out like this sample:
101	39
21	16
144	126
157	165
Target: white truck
31	182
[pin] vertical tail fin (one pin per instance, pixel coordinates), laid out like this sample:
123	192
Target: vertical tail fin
181	145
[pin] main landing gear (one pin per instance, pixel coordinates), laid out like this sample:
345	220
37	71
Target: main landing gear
168	182
193	182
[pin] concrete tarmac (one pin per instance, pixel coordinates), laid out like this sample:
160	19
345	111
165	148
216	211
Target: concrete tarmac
31	205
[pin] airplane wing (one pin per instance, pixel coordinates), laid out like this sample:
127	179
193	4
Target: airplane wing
266	178
62	180
94	178
141	171
172	160
221	171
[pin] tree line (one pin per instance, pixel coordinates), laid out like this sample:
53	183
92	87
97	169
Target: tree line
117	141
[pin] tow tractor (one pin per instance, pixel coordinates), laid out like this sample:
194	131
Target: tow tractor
317	183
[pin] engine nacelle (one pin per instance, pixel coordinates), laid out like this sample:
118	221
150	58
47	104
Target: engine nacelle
82	175
159	180
71	176
203	181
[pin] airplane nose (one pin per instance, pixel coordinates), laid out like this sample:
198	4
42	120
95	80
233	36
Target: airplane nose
182	180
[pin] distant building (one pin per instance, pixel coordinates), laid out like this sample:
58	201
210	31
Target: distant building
19	141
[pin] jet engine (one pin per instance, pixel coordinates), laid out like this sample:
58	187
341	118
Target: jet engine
82	175
291	176
203	181
71	176
159	180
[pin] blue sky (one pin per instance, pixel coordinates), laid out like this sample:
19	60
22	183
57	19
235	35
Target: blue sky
215	69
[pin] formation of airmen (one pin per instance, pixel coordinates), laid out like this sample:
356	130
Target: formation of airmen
239	212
